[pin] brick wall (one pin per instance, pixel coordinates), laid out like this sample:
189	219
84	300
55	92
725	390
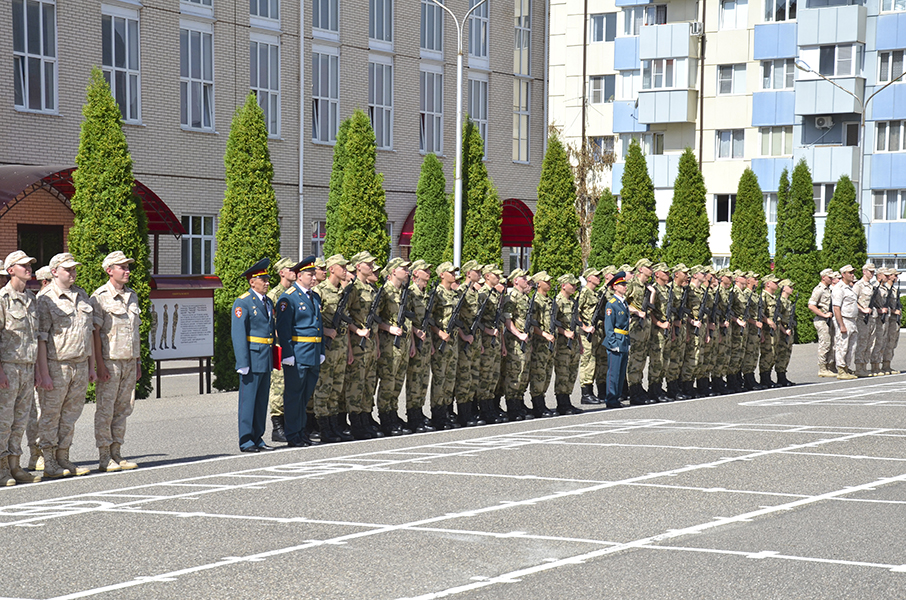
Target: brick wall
38	208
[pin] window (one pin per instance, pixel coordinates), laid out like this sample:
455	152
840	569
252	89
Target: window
893	5
822	192
779	10
325	95
119	57
380	103
776	141
380	20
850	133
778	74
478	108
521	112
268	9
630	82
196	83
889	205
637	16
601	89
318	233
770	207
730	143
649	143
431	33
890	136
844	60
601	146
890	65
35	55
603	27
264	79
734	14
724	207
40	241
325	15
658	73
431	112
202	2
731	79
478	31
198	245
523	45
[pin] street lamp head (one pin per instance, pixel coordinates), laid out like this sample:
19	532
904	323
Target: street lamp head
803	66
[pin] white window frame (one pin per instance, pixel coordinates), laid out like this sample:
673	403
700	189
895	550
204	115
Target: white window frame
186	80
325	108
770	207
651	143
381	107
125	79
267	91
598	29
630	84
522	116
44	57
522	51
602	145
199	2
734	14
843	54
477	103
431	115
479	33
776	141
822	193
732	78
770	69
380	21
318	235
881	205
597	89
325	23
270	7
431	28
892	6
735	140
207	244
889	136
636	17
887	65
663	73
730	199
772	10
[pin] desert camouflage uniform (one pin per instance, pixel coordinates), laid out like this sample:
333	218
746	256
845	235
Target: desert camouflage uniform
593	362
821	298
18	353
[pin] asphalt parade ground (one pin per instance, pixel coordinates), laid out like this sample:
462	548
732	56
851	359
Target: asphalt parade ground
786	493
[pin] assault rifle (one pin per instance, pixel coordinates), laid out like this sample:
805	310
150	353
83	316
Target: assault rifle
712	317
596	316
702	307
682	310
793	321
529	321
728	313
498	316
777	310
830	309
872	303
573	322
372	317
760	317
668	312
454	321
339	314
476	322
746	313
555	309
428	320
403	315
645	303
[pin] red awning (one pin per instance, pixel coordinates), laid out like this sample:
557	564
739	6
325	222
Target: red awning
517	228
18	181
406	232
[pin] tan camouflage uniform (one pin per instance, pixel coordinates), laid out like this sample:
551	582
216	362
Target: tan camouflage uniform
18	353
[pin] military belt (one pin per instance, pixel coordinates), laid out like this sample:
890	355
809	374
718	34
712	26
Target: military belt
260	340
304	338
623	331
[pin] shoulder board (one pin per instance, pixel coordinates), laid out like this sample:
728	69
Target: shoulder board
290	291
612	300
245	295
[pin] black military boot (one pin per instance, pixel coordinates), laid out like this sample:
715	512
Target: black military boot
343	424
702	387
490	411
680	390
587	396
717	386
660	394
277	433
689	389
439	418
417	421
512	409
501	414
402	424
467	415
783	381
540	409
452	417
312	431
389	426
766	381
602	390
357	428
734	385
565	406
338	428
328	435
636	397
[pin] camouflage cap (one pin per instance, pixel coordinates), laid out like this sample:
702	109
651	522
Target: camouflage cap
568	278
63	260
363	257
44	274
681	268
869	266
609	270
827	272
847	269
420	265
836	274
284	263
17	258
492	269
445	267
336	259
751	275
589	272
541	276
769	278
320	263
643	262
470	265
662	267
725	273
625	268
517	273
396	263
785	282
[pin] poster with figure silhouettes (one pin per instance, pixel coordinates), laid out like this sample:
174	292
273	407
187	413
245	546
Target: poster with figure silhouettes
181	327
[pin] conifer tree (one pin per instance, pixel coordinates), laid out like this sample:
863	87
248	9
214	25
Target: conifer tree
249	227
556	248
783	200
844	235
361	215
797	254
482	208
749	230
108	215
335	191
603	231
687	227
429	233
637	223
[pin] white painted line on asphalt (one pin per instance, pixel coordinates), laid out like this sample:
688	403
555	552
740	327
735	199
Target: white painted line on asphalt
768	554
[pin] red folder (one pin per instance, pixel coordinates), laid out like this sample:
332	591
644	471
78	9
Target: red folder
277	355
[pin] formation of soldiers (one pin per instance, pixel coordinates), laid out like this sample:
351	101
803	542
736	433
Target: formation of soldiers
52	345
481	341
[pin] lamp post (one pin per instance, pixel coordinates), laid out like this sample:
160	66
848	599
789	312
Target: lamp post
457	185
804	66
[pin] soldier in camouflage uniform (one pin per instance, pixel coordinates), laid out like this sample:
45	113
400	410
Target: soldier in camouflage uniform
659	345
695	326
396	340
590	369
738	333
418	371
867	321
678	336
275	398
753	335
783	349
724	346
468	369
820	304
568	348
769	331
443	362
492	345
518	347
893	321
638	293
709	340
541	361
360	367
36	459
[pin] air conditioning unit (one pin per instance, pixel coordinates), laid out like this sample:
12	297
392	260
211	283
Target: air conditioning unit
696	28
824	122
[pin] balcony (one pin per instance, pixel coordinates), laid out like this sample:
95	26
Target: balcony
891	32
667	106
768	171
626	118
662	168
832	25
773	108
887	170
626	54
673	40
819	97
827	163
889	104
775	40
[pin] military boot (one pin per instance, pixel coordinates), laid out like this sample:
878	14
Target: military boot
115	455
718	386
662	394
512	410
35	459
105	462
311	432
343	424
357	427
766	381
487	412
52	469
689	389
824	371
782	379
890	370
860	370
452	417
843	374
654	393
389	426
701	388
540	409
277	432
439	418
63	461
681	393
18	473
636	395
6	478
338	424
328	435
496	407
417	421
878	370
565	405
587	396
467	416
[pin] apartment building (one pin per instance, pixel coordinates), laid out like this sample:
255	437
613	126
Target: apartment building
721	76
179	69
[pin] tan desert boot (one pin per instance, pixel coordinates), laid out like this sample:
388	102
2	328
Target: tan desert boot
823	371
35	459
52	468
115	455
105	463
843	374
20	475
63	461
6	478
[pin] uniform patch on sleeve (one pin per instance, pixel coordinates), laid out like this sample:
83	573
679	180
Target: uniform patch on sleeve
283	306
238	312
609	311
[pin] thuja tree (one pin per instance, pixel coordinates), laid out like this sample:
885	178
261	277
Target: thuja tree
108	215
335	191
248	229
637	223
429	234
556	247
687	227
603	231
783	201
844	235
482	207
749	229
361	216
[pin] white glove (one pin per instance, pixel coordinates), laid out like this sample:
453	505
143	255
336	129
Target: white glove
323	358
243	371
289	361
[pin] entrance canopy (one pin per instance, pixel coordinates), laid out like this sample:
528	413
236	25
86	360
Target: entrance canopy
515	230
17	182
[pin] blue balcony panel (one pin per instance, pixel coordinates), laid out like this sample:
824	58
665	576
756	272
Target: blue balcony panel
888	170
819	97
891	32
663	169
626	118
773	108
775	40
768	171
886	237
617	178
632	2
667	106
626	54
832	25
667	41
889	104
